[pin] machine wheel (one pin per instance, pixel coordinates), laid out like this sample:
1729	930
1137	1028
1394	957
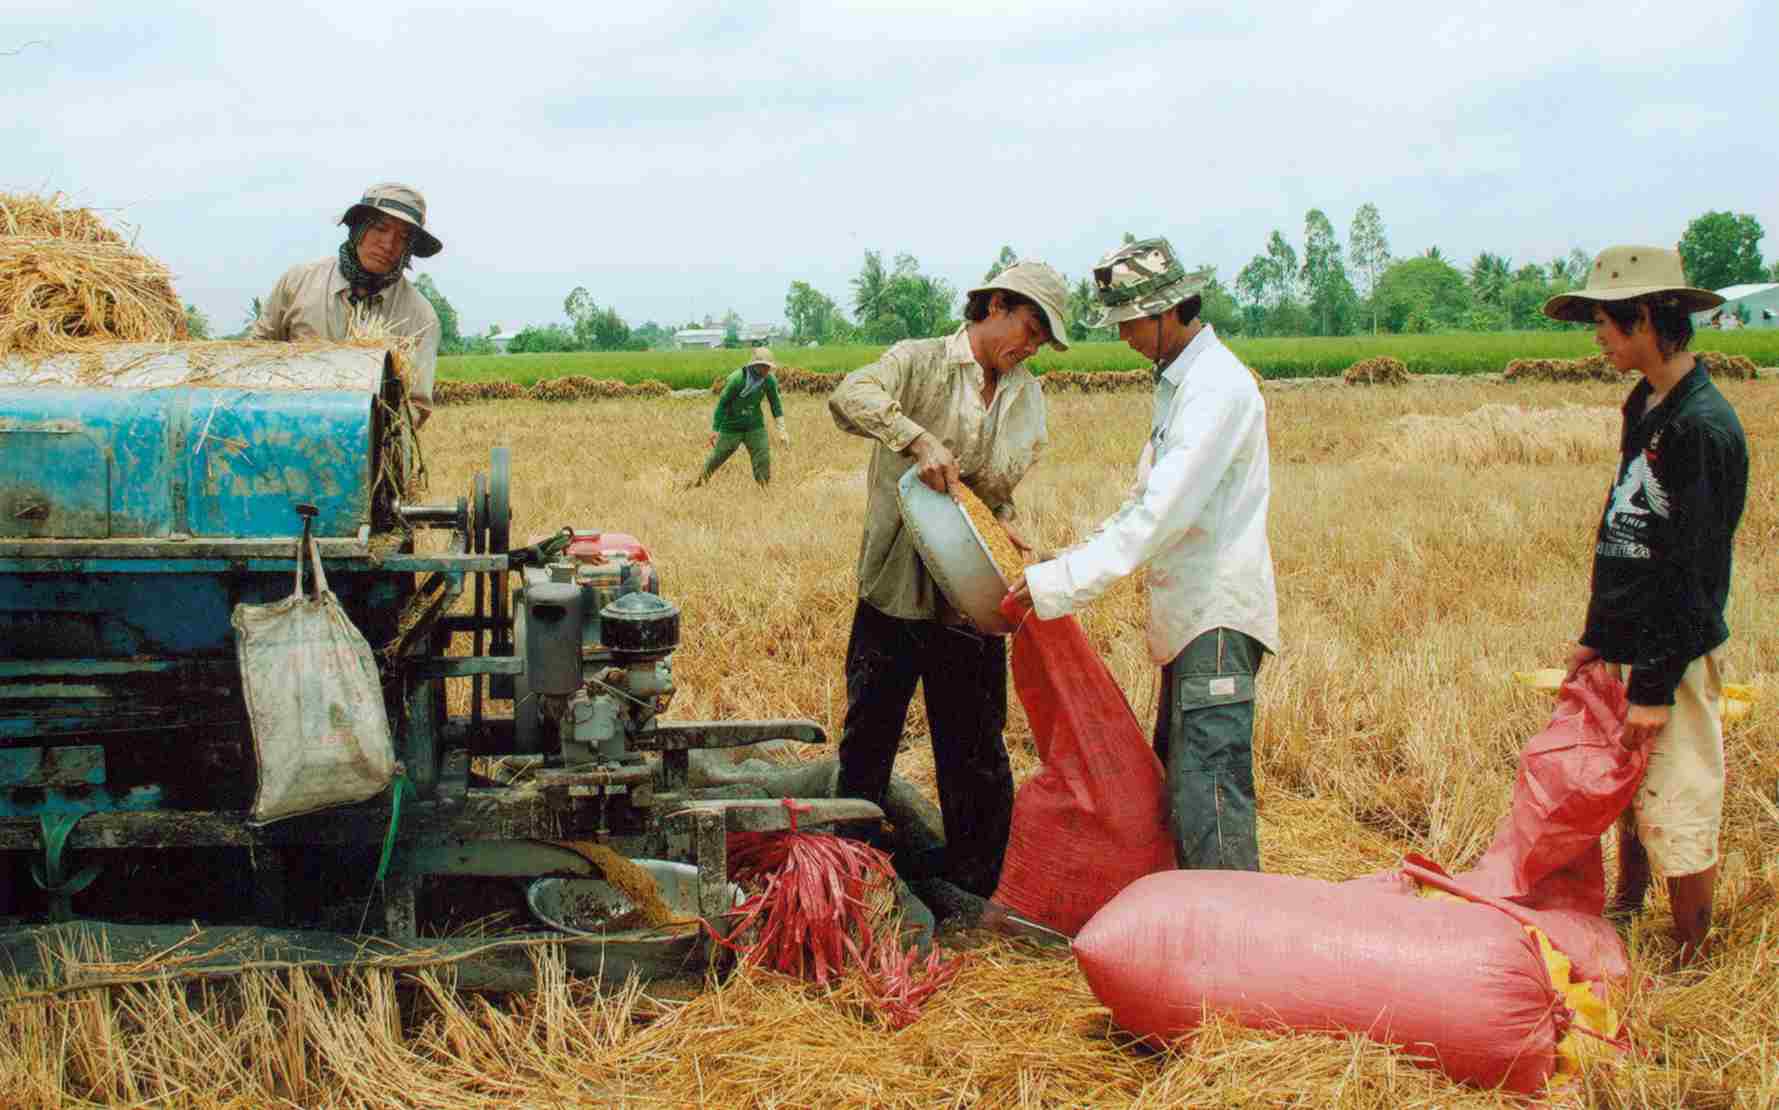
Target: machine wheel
500	510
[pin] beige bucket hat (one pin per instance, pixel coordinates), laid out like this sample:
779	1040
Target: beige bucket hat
1142	279
1042	284
761	356
405	203
1621	273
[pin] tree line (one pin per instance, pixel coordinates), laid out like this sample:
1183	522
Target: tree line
1319	285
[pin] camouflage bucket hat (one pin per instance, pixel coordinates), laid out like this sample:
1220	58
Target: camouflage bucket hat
1043	285
1142	279
761	356
404	203
1621	273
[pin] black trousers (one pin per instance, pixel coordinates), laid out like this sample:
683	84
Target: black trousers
963	677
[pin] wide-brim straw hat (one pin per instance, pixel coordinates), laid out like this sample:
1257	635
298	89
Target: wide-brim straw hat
761	356
1142	279
1624	273
1044	286
405	203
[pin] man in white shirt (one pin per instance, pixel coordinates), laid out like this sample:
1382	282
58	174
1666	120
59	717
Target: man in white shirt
1196	519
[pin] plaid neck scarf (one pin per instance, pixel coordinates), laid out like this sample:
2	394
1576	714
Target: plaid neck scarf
366	286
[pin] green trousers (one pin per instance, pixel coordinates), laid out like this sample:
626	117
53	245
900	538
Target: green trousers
1204	736
759	452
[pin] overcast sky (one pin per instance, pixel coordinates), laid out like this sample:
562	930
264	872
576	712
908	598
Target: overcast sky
683	159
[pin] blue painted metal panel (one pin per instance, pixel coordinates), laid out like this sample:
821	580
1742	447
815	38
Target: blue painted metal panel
250	456
226	463
117	616
132	428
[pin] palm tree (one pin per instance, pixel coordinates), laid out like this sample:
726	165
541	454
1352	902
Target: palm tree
868	289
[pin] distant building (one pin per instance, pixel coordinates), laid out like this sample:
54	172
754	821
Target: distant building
694	338
1759	302
761	335
501	338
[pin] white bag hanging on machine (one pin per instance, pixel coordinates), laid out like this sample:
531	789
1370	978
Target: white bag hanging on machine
320	730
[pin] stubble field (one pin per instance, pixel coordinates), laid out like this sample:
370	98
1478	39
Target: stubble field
1418	565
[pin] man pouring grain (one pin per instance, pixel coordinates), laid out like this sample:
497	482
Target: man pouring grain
960	409
1196	519
364	281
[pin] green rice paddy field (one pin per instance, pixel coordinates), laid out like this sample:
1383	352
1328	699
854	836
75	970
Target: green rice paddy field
1455	353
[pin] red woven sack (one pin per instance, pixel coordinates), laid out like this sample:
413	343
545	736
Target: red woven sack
1575	778
1458	986
1094	819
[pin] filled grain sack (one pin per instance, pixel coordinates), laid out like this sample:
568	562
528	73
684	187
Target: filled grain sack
1456	985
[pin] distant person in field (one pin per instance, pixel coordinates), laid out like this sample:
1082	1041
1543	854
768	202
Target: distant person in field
386	231
1196	519
1661	573
737	418
959	409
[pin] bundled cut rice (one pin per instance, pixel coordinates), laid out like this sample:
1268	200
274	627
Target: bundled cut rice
69	283
1594	368
1732	367
1378	370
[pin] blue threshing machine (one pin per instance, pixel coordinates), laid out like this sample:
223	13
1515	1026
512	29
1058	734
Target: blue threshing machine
146	491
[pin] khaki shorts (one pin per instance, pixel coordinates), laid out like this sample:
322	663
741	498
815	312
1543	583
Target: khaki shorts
1678	810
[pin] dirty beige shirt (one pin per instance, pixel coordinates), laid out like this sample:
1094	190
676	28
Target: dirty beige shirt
932	385
309	302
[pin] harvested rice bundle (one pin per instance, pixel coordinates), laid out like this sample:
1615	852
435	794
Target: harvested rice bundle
1594	368
1733	367
71	295
48	218
1001	549
1378	370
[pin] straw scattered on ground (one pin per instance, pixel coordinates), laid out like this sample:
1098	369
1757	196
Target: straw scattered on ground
1389	723
1506	434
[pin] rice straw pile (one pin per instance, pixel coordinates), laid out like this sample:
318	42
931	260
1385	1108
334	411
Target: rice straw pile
1733	367
1593	368
1378	370
1506	434
69	283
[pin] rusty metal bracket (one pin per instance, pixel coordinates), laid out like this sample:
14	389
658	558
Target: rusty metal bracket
671	736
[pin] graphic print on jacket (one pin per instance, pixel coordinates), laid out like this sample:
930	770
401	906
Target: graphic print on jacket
1636	498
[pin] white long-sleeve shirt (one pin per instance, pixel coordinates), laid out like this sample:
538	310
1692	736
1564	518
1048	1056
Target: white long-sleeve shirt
1197	520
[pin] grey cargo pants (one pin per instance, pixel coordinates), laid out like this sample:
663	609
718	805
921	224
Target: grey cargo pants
1204	737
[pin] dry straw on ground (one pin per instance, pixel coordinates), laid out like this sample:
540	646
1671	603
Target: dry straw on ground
69	283
1388	723
1505	434
1378	370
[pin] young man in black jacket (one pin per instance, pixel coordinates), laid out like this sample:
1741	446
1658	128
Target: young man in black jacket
1662	573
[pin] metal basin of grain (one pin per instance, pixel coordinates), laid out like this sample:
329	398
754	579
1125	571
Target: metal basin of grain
956	553
594	908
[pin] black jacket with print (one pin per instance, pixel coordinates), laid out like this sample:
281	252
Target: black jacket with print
1662	557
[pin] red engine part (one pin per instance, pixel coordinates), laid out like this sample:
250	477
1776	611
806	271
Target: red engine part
606	547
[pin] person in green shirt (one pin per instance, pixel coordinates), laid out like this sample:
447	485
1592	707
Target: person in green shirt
737	418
